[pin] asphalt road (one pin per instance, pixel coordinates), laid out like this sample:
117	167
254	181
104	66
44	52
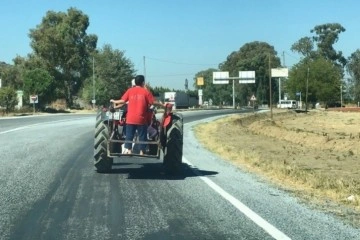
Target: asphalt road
50	190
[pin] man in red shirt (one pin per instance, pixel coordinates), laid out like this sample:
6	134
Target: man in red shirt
139	99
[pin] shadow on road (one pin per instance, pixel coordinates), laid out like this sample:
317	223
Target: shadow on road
156	171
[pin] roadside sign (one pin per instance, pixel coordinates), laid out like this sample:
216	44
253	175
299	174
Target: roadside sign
253	98
279	72
200	81
220	77
34	99
247	77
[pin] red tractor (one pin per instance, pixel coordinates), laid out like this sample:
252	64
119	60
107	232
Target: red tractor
165	138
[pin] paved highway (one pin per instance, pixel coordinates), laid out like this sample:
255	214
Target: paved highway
50	190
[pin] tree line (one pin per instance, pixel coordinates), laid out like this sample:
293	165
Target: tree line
323	73
66	63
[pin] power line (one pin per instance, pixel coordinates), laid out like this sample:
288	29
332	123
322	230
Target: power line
297	58
182	63
173	75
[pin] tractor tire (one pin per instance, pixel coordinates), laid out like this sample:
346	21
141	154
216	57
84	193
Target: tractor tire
102	162
173	151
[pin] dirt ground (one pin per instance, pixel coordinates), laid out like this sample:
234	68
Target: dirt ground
314	155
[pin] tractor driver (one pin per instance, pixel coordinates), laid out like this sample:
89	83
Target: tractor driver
139	99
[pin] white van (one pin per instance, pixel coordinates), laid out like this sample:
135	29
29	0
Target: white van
287	104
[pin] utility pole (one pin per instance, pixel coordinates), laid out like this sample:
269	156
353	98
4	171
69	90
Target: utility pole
233	94
284	65
307	90
341	98
279	90
270	101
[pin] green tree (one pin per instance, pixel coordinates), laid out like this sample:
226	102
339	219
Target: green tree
29	63
319	77
62	43
326	35
33	68
11	76
304	46
39	82
8	99
113	75
353	68
324	81
253	56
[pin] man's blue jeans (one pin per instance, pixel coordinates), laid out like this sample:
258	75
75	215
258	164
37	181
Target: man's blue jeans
130	133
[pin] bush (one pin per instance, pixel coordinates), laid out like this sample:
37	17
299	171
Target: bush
8	99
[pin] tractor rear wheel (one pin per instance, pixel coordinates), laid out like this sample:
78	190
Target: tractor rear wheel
102	162
174	145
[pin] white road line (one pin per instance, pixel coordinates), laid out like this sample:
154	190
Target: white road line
273	231
17	129
36	124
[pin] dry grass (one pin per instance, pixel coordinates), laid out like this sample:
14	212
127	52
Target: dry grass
314	155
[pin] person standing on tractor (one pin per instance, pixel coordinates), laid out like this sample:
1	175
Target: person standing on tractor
139	98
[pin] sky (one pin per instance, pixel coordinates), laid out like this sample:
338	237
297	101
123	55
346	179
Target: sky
171	40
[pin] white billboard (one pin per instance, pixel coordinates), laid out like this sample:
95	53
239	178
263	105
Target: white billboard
279	72
220	77
247	77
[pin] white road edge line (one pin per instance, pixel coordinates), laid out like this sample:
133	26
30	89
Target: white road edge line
273	231
36	124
